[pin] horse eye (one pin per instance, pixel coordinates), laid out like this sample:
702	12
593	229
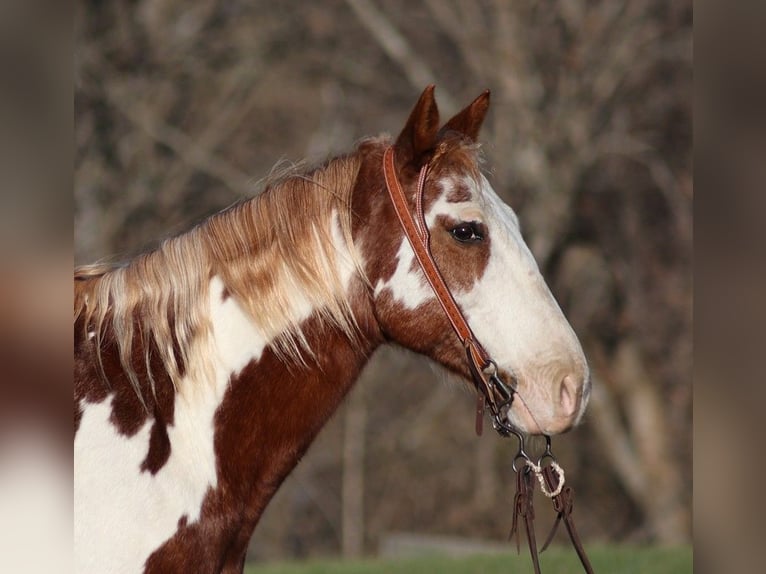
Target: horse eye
467	232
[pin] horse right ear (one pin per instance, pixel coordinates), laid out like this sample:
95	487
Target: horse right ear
419	133
468	121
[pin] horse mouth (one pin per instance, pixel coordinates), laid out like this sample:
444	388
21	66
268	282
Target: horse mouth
533	419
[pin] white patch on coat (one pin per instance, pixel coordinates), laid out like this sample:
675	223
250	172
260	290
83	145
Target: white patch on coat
122	515
407	285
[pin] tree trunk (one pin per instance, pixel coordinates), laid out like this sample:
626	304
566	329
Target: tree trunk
641	453
352	513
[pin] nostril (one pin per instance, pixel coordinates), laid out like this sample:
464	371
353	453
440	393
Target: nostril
568	396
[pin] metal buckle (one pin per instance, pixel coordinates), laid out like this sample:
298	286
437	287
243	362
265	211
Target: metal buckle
506	392
498	408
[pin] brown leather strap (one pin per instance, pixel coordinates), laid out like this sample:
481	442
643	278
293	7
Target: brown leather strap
481	404
482	367
523	508
419	238
563	503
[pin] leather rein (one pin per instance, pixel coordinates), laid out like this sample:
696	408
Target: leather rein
492	392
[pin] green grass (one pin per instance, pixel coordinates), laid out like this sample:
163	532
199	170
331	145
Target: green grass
605	560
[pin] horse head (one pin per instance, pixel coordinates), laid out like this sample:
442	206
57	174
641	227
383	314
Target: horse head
476	242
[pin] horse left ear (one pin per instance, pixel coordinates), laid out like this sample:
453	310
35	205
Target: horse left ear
419	133
468	121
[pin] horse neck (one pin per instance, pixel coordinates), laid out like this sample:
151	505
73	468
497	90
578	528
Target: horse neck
273	410
275	406
231	441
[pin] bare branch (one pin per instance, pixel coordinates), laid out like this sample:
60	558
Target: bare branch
183	146
396	46
451	24
615	440
230	113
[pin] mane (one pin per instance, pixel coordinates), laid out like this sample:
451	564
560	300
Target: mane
281	242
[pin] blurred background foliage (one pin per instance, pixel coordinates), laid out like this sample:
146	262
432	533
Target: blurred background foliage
182	106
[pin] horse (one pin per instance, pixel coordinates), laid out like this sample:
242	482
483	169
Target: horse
205	368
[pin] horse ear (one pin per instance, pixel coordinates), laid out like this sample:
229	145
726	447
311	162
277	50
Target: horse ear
419	133
468	121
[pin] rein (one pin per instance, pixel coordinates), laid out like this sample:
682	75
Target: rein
492	392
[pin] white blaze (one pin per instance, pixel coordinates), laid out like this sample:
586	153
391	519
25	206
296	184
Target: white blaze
509	308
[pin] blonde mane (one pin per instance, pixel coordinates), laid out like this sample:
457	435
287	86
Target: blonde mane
264	250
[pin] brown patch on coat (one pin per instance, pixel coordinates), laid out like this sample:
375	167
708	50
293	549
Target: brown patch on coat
453	160
460	192
371	202
257	447
461	264
128	413
159	448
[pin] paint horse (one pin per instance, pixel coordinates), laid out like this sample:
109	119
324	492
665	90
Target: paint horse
205	368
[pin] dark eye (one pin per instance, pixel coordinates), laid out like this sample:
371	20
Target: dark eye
468	232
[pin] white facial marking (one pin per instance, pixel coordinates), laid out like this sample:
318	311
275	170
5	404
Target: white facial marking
514	315
408	284
510	307
122	515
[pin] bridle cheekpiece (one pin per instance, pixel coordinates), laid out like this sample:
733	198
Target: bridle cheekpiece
493	393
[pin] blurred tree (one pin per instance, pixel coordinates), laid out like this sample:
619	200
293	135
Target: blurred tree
180	106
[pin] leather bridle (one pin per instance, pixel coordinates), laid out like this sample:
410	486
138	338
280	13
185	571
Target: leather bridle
493	392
